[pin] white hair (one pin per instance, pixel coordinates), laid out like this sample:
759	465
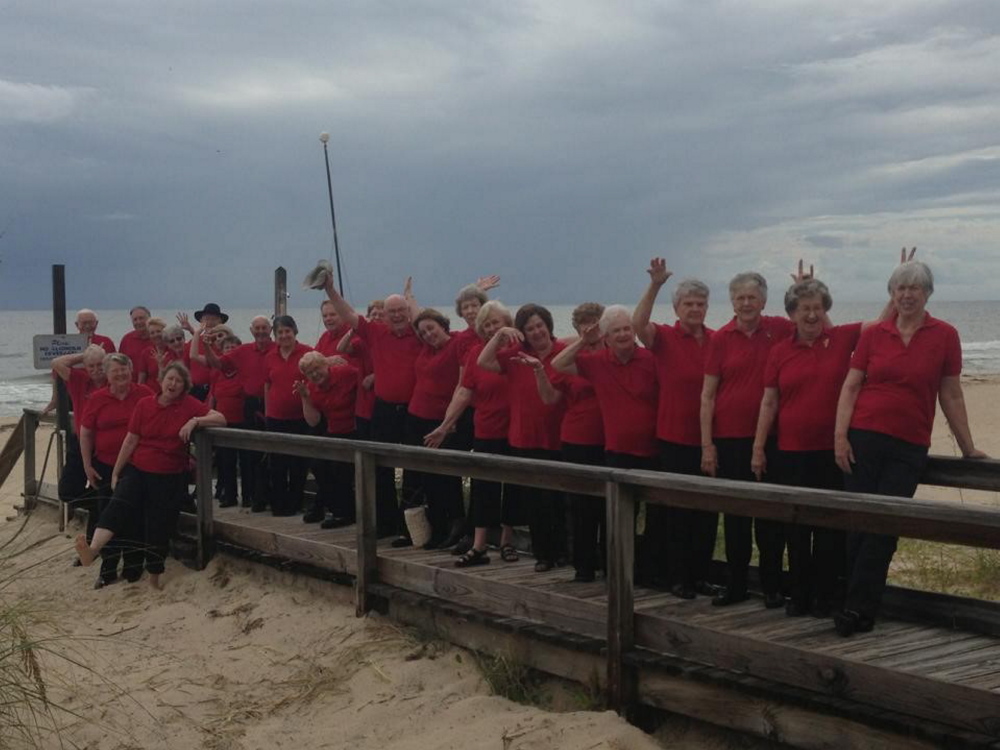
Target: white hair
746	279
912	272
612	313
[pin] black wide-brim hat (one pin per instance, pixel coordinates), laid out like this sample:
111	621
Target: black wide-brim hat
211	309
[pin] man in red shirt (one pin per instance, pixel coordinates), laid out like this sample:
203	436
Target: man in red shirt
394	348
135	343
86	323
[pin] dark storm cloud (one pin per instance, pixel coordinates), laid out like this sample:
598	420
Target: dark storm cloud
169	153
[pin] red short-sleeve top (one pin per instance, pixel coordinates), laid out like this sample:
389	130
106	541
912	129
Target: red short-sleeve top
280	375
533	424
680	371
393	358
335	399
108	416
627	392
160	449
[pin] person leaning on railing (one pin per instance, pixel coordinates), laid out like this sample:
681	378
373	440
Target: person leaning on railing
884	419
150	475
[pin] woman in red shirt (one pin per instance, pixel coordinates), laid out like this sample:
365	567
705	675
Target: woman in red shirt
283	414
534	426
227	397
103	427
330	395
437	372
149	478
885	414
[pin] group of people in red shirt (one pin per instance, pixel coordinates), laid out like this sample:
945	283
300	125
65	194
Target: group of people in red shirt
794	400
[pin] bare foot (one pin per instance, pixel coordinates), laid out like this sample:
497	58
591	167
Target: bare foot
154	581
83	550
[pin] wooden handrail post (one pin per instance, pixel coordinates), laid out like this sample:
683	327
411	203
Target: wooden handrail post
367	533
30	480
203	489
621	620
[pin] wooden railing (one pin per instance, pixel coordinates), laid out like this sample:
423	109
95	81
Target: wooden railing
908	517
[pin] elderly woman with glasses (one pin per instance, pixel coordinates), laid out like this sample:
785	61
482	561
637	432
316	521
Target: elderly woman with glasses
103	428
150	475
885	414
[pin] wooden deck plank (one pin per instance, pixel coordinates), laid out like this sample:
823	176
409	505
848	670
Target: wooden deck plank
943	645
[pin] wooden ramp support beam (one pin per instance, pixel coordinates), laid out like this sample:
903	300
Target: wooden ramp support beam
367	532
621	608
203	488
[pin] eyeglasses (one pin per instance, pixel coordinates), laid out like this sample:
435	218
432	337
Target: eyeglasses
176	340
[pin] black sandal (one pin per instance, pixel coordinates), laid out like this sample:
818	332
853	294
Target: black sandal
509	554
472	557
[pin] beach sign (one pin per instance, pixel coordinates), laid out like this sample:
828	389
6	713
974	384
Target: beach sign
48	346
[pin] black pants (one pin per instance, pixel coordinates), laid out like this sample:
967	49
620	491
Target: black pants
816	556
734	463
228	461
125	547
443	494
253	465
587	512
491	503
151	502
288	473
649	555
389	426
690	533
546	511
362	428
884	465
336	484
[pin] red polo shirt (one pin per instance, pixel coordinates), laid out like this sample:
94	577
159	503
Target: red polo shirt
436	379
582	423
108	418
227	393
808	379
200	374
247	361
902	382
466	341
280	376
533	424
104	342
327	344
489	398
627	393
335	399
738	361
680	370
393	358
160	449
80	387
133	346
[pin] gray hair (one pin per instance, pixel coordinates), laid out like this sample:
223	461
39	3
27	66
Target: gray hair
493	306
171	331
310	358
912	272
690	288
466	293
611	312
93	353
746	278
117	358
807	288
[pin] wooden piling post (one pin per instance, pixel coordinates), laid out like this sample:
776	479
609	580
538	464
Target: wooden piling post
621	619
203	488
59	327
30	480
367	533
280	291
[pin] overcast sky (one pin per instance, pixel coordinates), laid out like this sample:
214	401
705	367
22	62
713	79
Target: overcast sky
168	152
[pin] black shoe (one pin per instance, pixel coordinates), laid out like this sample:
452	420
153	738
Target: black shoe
258	506
223	503
543	566
774	600
313	515
682	591
846	622
472	558
794	609
284	513
335	522
456	535
435	542
820	608
132	577
729	596
402	541
562	561
865	624
584	576
103	581
705	588
463	546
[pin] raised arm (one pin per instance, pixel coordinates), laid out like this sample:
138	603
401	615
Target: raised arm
195	352
341	305
565	361
411	300
344	346
953	405
709	457
768	411
645	329
485	283
546	391
842	452
62	366
488	356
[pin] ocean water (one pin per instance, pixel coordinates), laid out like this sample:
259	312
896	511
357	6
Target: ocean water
22	386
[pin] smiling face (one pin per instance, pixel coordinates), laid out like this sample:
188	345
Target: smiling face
432	333
493	323
156	333
316	371
397	313
620	335
536	334
748	304
377	313
808	318
691	310
172	385
175	343
95	368
260	329
330	318
139	319
469	310
285	337
909	299
86	323
119	375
